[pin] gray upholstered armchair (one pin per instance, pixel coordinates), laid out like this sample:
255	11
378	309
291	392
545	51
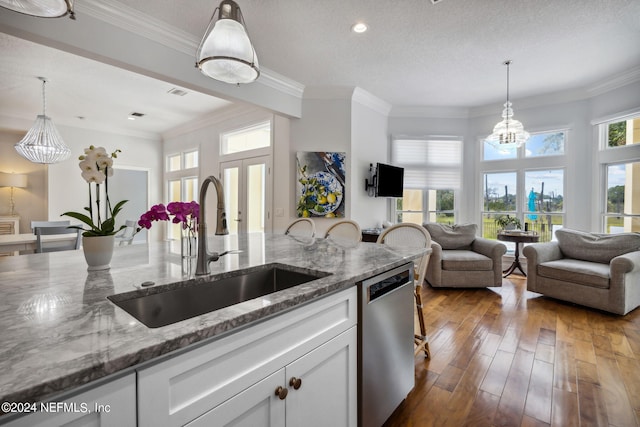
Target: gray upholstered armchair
461	259
596	270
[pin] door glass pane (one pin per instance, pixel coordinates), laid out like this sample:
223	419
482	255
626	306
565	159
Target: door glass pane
500	192
190	189
545	144
231	186
255	198
174	194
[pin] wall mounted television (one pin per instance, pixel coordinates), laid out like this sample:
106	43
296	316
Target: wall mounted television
389	180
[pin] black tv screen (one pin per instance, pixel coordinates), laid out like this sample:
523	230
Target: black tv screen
389	180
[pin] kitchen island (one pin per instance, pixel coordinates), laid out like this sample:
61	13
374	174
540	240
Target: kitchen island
59	331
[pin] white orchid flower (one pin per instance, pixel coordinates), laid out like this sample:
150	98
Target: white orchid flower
96	177
87	165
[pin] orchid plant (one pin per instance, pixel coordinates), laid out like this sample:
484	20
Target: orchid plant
97	166
185	213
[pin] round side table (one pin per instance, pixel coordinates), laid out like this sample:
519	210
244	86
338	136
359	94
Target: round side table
517	239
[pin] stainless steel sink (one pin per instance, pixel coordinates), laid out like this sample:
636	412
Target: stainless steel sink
167	304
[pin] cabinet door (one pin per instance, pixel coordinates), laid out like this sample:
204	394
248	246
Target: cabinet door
327	393
256	406
108	405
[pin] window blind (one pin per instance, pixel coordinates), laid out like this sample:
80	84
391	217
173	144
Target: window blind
428	163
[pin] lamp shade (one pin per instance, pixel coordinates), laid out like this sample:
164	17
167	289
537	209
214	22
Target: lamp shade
40	8
13	180
225	52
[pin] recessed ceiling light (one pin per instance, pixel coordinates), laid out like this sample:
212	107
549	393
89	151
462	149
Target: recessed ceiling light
359	27
176	91
135	115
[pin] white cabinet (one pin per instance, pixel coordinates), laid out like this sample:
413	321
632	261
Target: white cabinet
318	389
112	404
327	395
234	379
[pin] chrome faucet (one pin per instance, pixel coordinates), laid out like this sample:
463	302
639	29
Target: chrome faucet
204	256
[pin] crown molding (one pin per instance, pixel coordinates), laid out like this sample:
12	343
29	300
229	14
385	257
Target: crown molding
125	17
615	82
430	112
209	119
369	100
22	125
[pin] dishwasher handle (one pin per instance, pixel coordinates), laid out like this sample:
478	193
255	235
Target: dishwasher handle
379	286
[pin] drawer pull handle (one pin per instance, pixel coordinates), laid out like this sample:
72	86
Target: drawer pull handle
295	382
281	392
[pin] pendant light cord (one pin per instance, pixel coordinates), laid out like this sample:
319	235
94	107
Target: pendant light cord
507	63
44	98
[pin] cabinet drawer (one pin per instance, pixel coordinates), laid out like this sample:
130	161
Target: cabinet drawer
178	390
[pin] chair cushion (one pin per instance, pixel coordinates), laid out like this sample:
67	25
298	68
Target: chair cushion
461	260
596	247
459	236
576	271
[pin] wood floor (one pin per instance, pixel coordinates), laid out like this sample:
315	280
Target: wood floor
509	357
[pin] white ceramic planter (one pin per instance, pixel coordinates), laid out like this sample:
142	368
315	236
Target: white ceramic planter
98	251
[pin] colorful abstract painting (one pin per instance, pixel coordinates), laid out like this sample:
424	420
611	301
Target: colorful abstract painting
321	184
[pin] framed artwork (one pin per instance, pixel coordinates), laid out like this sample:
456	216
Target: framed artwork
321	184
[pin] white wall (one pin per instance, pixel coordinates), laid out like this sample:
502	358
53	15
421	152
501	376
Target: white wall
325	125
54	189
66	189
369	144
30	202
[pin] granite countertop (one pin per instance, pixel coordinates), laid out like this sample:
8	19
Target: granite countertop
58	330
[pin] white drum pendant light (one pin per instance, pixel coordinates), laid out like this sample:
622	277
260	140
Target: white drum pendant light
225	52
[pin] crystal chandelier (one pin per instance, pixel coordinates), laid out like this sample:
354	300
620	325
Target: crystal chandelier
43	143
41	8
509	133
225	52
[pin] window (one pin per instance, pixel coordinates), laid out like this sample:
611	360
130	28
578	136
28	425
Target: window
181	183
420	206
623	133
500	196
538	145
181	161
432	175
620	160
518	186
545	144
251	138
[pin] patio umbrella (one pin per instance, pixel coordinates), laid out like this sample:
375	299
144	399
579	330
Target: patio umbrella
532	205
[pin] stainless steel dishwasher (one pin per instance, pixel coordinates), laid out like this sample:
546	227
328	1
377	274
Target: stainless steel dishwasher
385	347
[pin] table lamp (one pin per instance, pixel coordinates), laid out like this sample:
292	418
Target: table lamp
13	180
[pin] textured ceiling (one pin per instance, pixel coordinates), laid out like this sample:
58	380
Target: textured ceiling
447	54
415	54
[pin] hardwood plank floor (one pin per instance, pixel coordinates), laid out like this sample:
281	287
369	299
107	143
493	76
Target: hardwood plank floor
509	357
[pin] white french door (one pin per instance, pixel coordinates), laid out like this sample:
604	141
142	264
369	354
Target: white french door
247	194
